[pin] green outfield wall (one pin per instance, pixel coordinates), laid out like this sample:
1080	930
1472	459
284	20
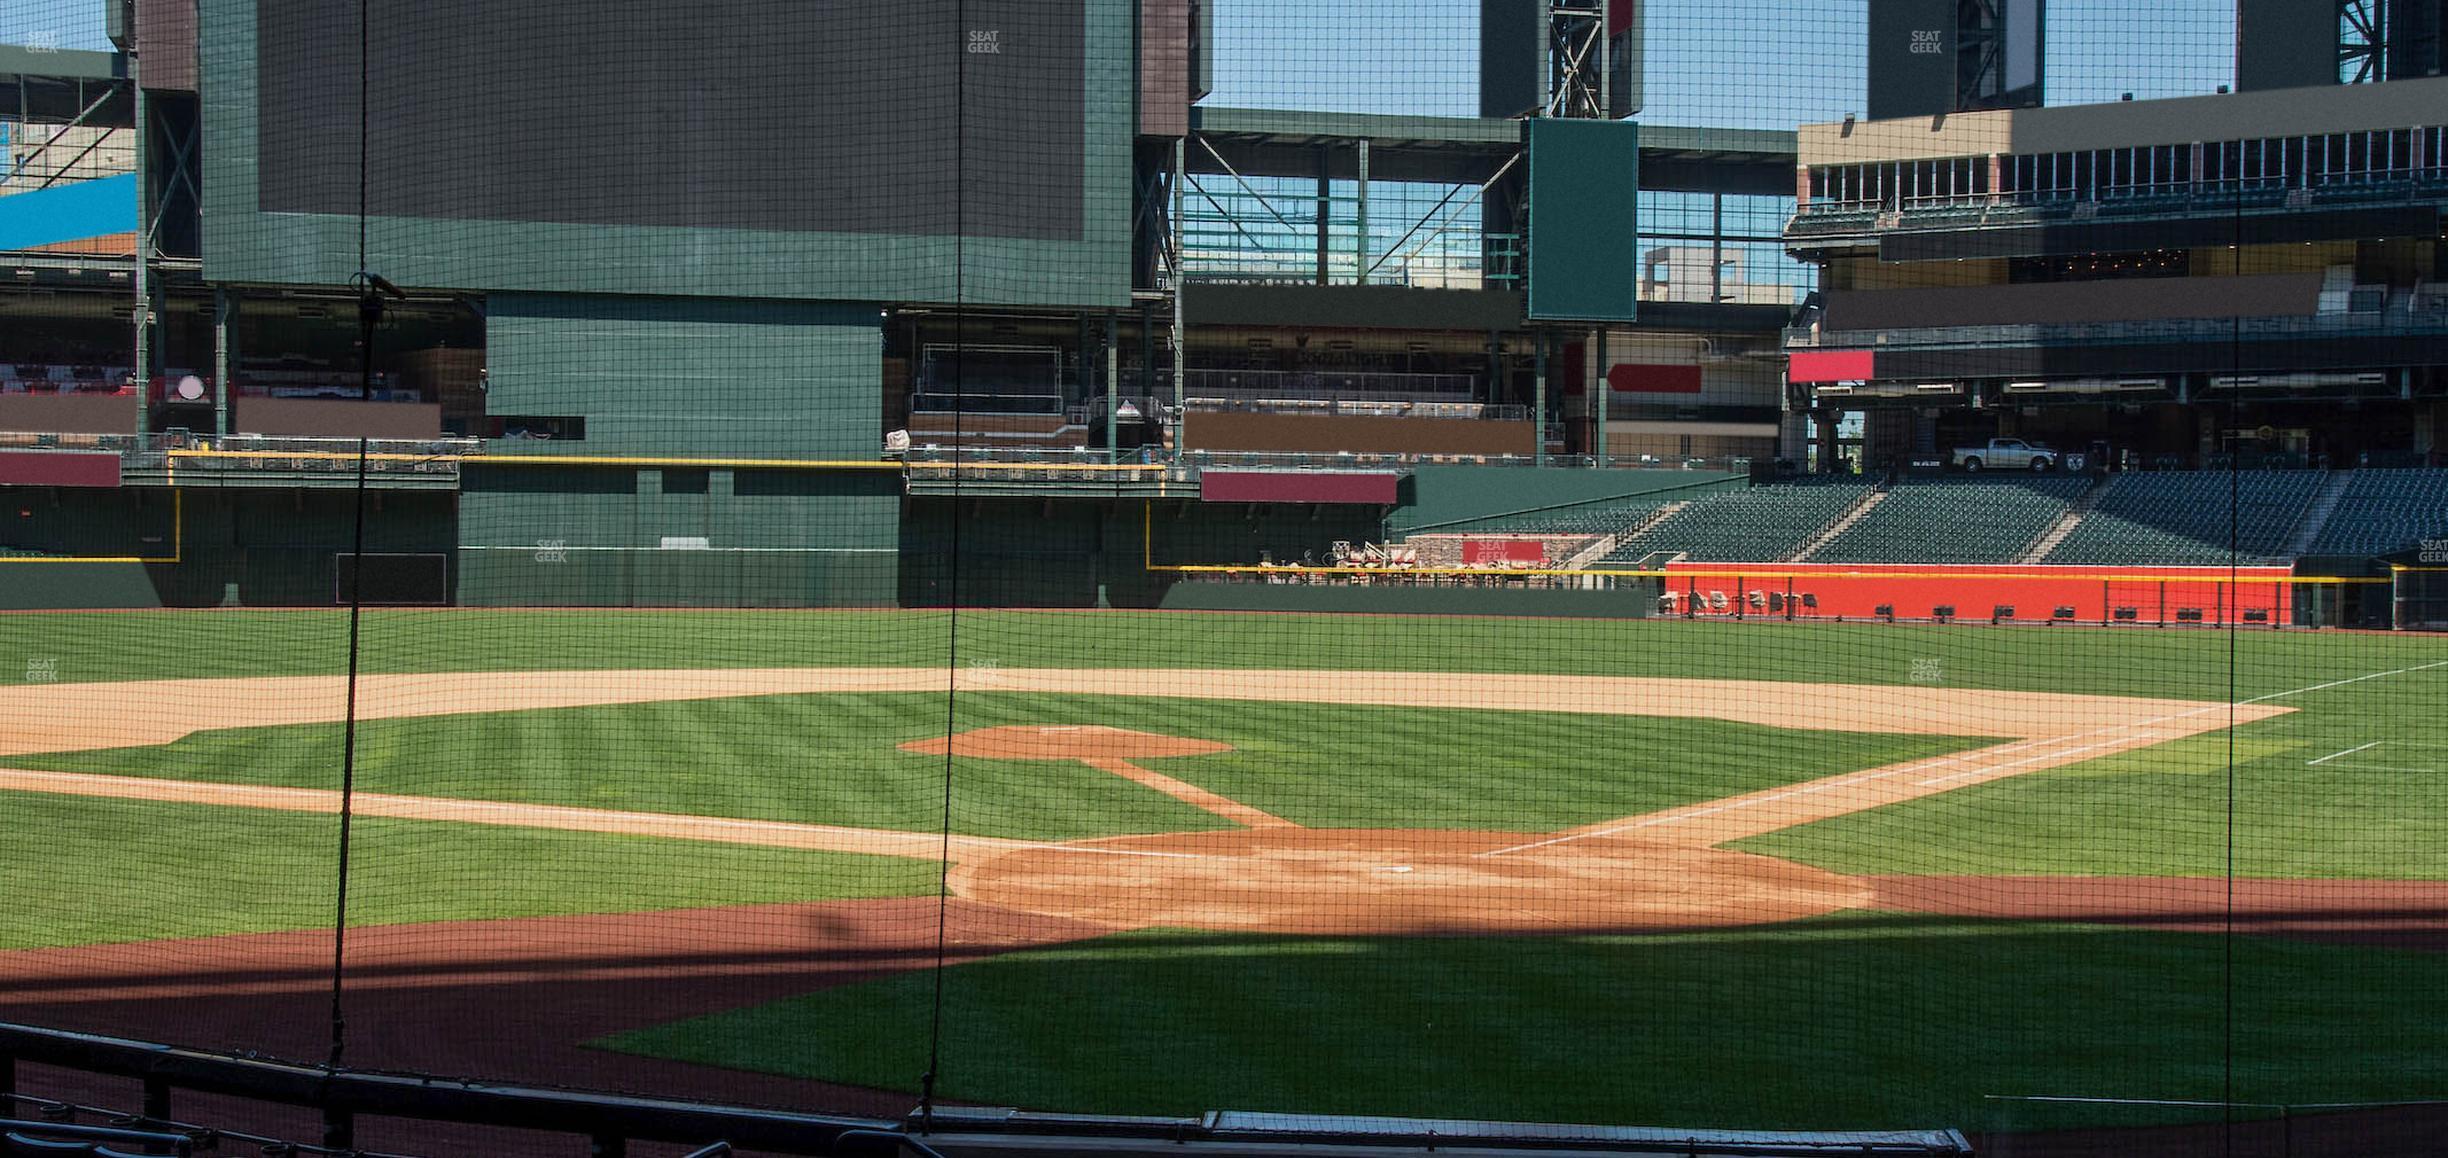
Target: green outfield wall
1033	553
676	376
211	547
535	532
590	536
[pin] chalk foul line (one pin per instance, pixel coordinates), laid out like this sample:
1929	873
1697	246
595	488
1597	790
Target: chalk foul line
1978	771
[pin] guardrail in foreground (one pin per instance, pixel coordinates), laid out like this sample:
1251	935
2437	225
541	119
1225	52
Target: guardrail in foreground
611	1121
342	1095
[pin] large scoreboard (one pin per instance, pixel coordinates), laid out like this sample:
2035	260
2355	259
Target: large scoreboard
740	148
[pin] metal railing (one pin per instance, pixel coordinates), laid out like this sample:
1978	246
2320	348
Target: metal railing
320	455
2036	207
933	401
2397	319
1274	460
610	1122
338	456
291	453
1331	385
1187	465
1321	407
124	444
341	1095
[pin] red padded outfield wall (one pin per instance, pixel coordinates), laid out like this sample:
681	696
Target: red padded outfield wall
1975	591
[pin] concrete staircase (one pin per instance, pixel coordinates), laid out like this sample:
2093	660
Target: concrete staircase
1598	548
2066	522
1606	545
1660	515
2316	515
1843	523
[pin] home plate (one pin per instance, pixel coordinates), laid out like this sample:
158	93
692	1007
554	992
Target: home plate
1398	881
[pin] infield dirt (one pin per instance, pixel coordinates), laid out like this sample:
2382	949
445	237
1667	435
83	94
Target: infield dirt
1656	870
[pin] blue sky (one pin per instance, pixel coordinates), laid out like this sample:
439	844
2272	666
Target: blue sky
1738	63
1744	63
56	23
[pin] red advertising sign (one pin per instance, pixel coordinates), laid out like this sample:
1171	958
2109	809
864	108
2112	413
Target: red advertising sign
1492	552
1829	366
1653	378
1241	486
58	468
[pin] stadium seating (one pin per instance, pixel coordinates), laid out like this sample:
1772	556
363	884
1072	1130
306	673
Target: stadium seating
1764	524
1955	521
2386	510
2184	517
1607	518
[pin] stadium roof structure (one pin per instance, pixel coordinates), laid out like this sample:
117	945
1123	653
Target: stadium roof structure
1287	143
65	84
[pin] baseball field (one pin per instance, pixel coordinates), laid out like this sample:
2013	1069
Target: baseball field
1815	876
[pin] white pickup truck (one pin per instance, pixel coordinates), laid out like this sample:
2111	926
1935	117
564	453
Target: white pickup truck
2006	454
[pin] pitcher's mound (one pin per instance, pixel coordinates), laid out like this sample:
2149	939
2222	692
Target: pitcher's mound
1063	742
1360	882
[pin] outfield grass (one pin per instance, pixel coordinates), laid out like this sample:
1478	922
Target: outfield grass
833	759
2187	663
1856	1021
119	870
2299	807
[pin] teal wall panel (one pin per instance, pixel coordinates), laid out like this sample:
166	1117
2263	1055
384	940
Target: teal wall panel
53	586
800	509
1440	495
679	376
585	536
1584	245
274	547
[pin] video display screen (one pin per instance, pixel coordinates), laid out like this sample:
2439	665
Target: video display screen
727	114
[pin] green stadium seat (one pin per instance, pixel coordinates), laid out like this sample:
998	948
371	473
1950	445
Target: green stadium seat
1955	521
2192	517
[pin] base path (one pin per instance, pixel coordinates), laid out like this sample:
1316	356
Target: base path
68	717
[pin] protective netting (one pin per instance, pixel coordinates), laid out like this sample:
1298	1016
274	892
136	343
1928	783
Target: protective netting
1821	568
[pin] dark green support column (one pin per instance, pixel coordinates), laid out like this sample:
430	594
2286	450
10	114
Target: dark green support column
1538	404
225	357
1325	190
1112	344
1599	389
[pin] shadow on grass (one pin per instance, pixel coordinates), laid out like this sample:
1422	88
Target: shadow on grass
825	941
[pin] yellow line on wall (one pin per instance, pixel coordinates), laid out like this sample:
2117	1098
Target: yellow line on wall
716	463
1491	573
